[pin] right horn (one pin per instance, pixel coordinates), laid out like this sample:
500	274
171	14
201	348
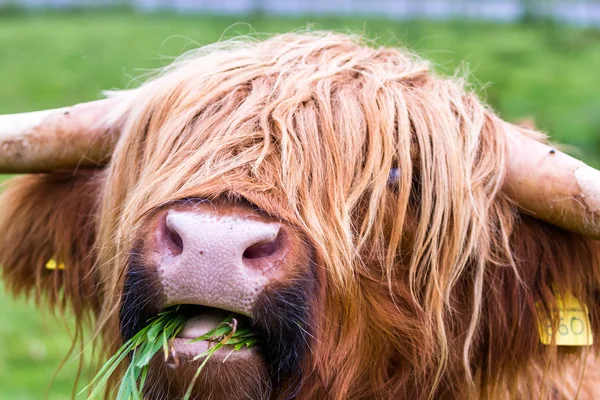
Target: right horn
64	138
552	186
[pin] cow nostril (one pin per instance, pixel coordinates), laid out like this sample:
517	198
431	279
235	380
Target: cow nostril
174	240
263	249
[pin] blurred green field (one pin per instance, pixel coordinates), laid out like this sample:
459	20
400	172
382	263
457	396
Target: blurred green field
547	72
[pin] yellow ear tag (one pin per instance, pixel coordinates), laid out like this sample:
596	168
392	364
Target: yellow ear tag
573	324
52	264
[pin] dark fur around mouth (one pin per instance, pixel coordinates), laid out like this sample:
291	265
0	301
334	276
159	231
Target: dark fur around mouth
142	296
282	319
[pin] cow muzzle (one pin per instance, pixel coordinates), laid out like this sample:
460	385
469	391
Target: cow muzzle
218	260
214	259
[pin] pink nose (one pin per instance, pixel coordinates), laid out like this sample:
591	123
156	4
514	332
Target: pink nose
217	261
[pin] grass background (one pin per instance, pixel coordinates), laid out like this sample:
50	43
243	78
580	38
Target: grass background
547	72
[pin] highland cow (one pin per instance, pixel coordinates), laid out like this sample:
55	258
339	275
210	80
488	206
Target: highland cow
384	233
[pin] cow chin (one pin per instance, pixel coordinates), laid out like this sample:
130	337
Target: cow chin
241	376
281	319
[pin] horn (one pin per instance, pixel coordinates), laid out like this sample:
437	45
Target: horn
63	138
552	186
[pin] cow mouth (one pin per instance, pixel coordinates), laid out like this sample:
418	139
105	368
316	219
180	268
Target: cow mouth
227	373
200	320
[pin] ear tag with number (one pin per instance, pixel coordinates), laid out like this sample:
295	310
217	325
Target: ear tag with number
573	328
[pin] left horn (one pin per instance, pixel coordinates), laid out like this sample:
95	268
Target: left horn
63	138
552	186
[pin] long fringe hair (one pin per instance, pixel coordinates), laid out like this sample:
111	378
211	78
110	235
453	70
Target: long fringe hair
430	281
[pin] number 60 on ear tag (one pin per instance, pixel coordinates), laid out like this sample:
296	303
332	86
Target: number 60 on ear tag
573	327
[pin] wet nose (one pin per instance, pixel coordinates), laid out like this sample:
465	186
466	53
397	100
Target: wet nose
217	261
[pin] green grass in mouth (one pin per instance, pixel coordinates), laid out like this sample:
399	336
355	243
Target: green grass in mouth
157	335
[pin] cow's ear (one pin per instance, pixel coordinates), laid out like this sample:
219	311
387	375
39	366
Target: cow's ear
47	234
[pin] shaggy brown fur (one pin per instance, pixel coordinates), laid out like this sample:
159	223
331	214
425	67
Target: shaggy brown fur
429	286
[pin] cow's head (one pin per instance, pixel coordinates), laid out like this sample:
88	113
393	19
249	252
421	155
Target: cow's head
358	212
